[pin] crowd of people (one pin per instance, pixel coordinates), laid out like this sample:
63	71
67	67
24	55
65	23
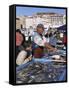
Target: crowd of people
26	50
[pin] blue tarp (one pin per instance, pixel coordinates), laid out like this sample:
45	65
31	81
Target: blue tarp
62	28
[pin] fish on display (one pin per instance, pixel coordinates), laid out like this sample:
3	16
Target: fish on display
40	72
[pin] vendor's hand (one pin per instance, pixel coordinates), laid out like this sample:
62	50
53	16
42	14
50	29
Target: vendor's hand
55	49
52	50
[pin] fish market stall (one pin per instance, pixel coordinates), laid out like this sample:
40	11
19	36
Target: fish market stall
50	68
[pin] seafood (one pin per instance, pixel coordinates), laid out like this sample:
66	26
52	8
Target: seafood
40	72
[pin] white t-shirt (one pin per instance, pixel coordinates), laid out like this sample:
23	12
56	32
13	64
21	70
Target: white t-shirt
40	41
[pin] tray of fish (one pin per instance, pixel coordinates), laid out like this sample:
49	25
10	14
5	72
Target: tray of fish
58	52
35	71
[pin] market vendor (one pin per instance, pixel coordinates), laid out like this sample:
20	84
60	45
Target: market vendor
40	42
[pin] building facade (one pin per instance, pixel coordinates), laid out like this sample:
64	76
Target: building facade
47	19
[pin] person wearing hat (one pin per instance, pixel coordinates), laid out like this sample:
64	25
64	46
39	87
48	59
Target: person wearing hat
39	42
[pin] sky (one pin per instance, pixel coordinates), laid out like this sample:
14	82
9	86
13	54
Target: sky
29	11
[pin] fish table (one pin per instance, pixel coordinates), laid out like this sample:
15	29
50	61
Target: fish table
53	72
